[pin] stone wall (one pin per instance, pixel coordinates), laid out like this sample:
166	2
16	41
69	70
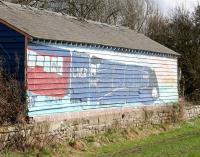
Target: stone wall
190	112
90	123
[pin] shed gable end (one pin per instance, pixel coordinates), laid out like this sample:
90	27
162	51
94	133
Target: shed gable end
12	51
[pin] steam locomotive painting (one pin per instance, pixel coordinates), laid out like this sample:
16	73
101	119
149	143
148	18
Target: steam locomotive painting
86	79
103	82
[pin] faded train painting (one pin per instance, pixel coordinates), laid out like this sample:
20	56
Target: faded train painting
104	82
61	81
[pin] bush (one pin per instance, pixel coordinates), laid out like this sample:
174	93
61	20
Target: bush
12	98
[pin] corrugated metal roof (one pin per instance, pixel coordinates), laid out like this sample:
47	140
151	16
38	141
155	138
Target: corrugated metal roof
45	24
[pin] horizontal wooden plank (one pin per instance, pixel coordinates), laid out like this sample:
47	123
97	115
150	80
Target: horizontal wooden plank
50	105
93	96
17	39
13	45
9	34
62	82
3	27
75	107
38	75
108	89
139	63
59	96
96	97
45	64
122	72
78	85
44	75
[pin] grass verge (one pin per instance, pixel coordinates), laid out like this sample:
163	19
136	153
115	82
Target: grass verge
184	140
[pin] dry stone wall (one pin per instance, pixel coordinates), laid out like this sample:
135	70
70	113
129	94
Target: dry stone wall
91	124
191	112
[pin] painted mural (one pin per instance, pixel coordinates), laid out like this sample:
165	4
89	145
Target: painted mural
103	82
62	81
48	71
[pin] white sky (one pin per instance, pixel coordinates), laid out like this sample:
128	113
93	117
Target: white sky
168	5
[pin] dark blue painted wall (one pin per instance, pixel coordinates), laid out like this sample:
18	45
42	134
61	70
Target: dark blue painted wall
12	51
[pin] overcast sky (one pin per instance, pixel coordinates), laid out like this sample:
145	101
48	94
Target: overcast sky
168	5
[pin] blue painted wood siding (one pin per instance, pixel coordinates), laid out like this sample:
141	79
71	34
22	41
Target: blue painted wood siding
12	51
66	79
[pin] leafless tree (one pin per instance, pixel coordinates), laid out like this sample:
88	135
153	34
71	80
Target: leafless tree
105	11
130	13
134	13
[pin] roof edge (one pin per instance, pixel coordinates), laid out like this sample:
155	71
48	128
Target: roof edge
175	53
106	47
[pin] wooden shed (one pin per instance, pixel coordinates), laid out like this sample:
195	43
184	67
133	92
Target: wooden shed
71	66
